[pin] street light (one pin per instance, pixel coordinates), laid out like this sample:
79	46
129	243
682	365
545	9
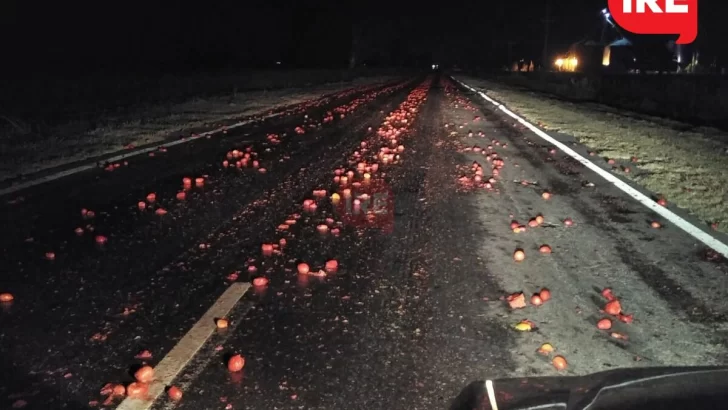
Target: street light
607	16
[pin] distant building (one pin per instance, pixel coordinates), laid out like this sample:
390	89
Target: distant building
610	49
618	57
637	54
584	56
614	50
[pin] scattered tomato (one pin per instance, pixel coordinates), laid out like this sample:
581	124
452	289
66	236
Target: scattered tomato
607	293
545	294
236	363
332	265
137	390
546	349
145	374
517	300
613	307
604	324
174	393
519	255
560	363
524	326
303	268
119	390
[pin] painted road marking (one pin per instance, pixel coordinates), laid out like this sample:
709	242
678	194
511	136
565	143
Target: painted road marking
675	219
81	168
172	364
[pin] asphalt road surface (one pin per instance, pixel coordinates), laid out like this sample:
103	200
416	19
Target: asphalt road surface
417	306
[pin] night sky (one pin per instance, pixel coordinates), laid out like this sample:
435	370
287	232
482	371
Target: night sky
86	36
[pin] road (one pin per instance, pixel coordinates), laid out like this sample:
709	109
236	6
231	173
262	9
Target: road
417	307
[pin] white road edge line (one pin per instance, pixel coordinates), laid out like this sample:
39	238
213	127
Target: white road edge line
675	219
181	354
81	168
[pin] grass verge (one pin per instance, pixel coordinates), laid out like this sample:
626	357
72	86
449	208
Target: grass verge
688	165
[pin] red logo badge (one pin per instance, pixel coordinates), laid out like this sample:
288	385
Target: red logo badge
658	17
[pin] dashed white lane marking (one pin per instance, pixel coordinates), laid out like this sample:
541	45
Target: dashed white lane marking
675	219
180	355
81	168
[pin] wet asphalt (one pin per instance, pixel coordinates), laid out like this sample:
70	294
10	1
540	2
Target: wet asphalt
415	310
